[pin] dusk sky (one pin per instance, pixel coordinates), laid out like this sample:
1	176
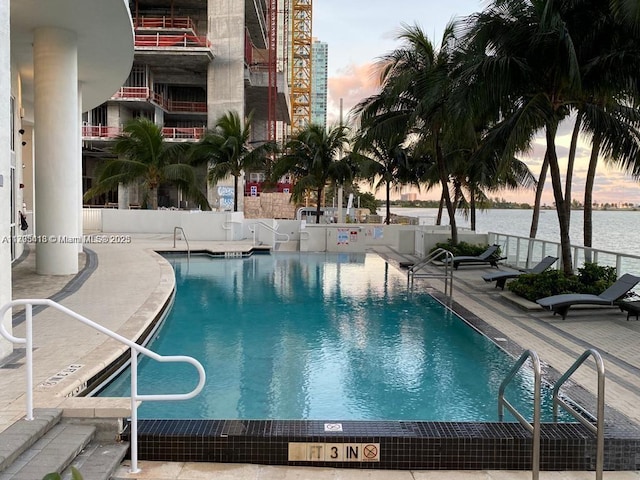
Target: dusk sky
359	32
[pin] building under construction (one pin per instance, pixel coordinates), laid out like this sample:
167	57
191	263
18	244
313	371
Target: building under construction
196	60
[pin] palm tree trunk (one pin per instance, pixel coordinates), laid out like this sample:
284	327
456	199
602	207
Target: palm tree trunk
472	207
570	162
588	194
440	208
556	181
539	188
444	182
388	219
153	197
235	193
318	205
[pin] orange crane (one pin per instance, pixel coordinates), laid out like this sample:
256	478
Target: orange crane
273	71
301	74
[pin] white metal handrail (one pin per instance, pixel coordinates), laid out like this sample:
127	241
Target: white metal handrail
440	254
253	229
134	348
534	428
184	237
598	429
523	252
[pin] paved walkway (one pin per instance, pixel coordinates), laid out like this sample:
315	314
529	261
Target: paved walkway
124	286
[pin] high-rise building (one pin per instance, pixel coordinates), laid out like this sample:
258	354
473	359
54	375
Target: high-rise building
320	57
193	62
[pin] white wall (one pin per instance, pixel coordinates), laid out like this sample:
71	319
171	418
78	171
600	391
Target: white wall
232	226
356	237
197	225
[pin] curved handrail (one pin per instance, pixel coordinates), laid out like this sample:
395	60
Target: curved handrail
184	237
135	349
598	429
502	402
253	229
437	254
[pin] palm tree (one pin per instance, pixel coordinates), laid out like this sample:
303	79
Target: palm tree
610	66
145	158
415	98
313	157
226	150
384	162
628	11
528	55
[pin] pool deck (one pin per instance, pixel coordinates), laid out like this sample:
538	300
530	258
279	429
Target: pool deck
125	286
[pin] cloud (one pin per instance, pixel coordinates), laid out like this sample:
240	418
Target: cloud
352	84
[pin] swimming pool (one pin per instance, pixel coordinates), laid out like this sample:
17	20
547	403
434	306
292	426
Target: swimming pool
320	336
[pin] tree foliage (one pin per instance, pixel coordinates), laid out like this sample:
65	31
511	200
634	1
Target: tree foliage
146	159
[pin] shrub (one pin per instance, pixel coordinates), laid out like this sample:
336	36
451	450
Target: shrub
596	278
462	248
75	475
545	284
591	278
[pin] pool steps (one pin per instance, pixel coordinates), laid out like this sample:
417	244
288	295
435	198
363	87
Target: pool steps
29	449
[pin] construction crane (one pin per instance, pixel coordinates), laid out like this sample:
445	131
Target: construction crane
301	74
273	71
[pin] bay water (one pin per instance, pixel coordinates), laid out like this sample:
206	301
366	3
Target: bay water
613	230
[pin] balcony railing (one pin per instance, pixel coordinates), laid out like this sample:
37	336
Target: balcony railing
183	133
171	41
170	133
145	93
100	131
166	23
180	106
133	93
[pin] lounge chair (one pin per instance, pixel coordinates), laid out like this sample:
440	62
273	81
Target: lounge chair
562	303
501	277
489	256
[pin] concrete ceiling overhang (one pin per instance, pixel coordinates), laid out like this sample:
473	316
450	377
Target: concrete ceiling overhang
105	42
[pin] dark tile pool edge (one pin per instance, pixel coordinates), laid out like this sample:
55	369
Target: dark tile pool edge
402	445
616	423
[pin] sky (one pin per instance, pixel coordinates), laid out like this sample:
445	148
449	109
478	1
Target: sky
360	32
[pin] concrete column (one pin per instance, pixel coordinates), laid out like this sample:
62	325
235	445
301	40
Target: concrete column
5	172
80	202
57	160
123	197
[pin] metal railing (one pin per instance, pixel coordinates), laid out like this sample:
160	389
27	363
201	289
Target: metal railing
534	428
524	252
171	41
253	228
184	23
184	237
417	270
134	348
598	429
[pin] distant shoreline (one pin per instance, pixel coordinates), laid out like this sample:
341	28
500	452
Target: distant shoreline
512	206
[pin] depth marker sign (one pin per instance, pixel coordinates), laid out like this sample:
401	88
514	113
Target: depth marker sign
334	452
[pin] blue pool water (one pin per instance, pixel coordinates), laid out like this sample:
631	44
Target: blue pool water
319	336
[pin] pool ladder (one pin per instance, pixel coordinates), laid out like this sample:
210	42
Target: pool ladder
534	428
184	237
418	270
